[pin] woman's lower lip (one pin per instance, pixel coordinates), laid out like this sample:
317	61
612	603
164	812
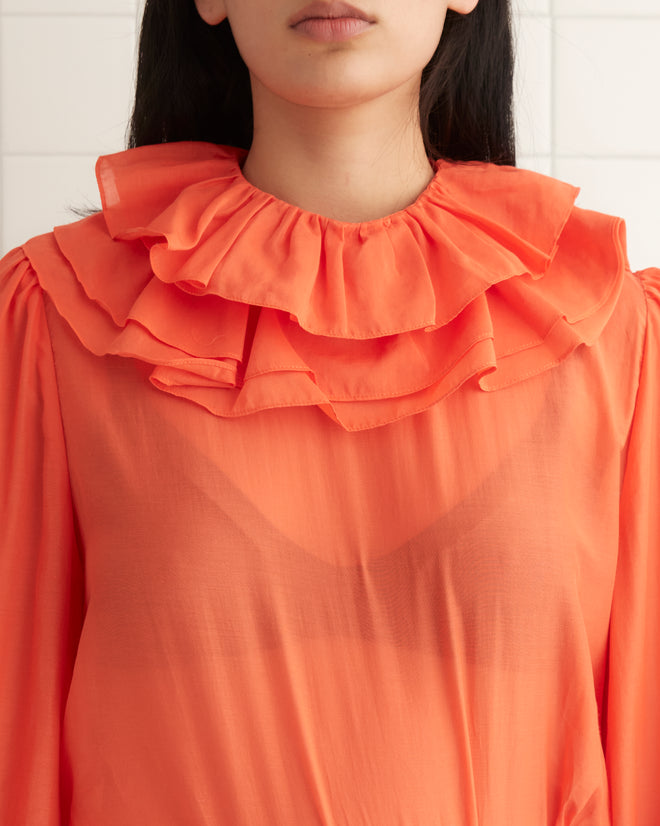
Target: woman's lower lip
332	28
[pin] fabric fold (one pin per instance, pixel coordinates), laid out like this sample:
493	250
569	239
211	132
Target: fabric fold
242	302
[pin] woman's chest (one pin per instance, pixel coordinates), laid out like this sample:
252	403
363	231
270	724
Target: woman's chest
488	515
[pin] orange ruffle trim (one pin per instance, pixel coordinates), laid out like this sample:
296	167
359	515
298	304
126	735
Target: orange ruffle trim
242	302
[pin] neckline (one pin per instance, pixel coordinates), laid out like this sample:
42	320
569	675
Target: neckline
239	156
242	302
210	231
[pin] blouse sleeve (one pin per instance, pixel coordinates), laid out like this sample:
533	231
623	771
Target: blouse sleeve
41	591
633	705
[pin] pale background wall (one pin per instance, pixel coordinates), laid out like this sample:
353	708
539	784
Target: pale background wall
588	105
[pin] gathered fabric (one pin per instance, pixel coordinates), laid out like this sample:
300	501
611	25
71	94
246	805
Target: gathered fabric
370	321
333	523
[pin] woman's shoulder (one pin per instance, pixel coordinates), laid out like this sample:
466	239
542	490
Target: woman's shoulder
54	257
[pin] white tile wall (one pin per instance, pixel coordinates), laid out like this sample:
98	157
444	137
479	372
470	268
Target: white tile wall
532	6
586	105
613	109
57	7
605	8
71	106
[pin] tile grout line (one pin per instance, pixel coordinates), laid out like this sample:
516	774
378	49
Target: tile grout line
50	14
553	91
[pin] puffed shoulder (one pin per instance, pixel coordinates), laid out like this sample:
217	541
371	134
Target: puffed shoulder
16	275
650	280
242	302
21	297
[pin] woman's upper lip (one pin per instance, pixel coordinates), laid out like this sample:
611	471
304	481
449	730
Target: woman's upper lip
329	9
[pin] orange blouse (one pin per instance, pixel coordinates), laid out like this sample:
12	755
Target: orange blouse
312	522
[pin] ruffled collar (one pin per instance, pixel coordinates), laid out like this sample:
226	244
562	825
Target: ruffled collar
243	302
211	232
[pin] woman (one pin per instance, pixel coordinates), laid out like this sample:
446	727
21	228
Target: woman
331	451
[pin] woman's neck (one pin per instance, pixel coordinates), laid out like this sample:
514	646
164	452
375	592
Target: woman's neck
353	165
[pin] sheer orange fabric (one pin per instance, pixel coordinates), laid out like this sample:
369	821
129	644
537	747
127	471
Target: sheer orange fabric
308	522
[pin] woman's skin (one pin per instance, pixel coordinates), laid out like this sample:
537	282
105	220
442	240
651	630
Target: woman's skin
336	125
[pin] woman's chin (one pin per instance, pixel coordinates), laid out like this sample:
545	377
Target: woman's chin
322	91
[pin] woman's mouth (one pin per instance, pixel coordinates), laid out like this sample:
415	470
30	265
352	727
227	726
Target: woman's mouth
330	21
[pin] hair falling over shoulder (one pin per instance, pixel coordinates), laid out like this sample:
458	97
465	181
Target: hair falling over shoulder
192	84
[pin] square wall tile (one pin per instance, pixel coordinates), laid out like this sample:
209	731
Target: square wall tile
533	85
38	193
85	7
627	188
606	74
66	83
531	6
624	8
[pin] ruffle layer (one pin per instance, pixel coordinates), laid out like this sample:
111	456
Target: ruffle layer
242	302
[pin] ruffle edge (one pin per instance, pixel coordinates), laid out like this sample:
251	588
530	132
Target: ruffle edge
243	303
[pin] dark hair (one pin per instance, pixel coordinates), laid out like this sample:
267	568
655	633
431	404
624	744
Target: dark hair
192	84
